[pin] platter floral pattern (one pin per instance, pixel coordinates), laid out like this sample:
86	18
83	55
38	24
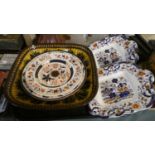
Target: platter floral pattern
53	75
114	49
123	89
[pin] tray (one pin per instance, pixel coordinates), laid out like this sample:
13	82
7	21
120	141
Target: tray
18	92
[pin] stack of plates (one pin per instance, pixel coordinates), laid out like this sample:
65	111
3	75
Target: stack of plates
123	87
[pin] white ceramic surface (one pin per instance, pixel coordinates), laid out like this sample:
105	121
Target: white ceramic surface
53	75
123	89
114	49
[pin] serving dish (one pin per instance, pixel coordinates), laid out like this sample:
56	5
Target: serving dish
123	89
53	77
114	49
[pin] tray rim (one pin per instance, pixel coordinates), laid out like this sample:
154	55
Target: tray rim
20	57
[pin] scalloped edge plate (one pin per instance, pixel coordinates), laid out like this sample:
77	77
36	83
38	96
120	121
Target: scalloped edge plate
123	89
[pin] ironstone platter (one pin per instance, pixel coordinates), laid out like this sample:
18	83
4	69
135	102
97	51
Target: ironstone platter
123	89
114	49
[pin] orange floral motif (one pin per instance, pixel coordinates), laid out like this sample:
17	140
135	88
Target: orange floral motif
95	45
42	90
141	73
135	106
100	71
126	44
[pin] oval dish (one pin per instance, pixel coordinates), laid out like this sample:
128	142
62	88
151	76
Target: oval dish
114	50
123	89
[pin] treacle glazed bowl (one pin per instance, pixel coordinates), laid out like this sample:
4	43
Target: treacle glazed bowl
53	77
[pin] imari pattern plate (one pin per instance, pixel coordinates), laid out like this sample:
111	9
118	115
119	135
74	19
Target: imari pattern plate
53	77
114	49
123	89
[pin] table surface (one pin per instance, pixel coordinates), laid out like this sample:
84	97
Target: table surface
147	115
